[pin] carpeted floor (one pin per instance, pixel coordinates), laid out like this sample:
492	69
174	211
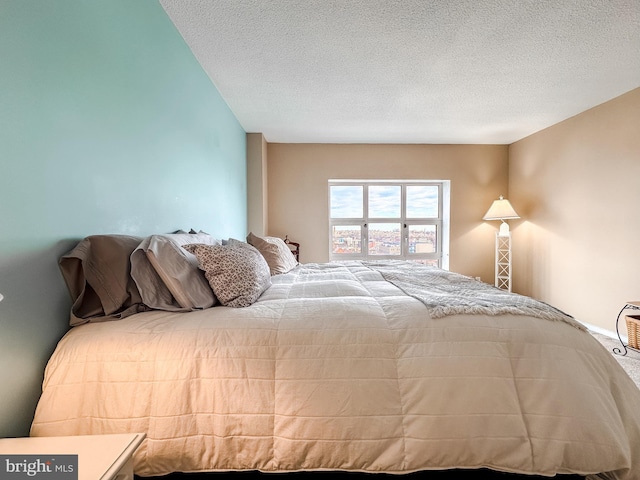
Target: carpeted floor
630	362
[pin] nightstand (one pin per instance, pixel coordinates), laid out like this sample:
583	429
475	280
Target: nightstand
100	457
294	247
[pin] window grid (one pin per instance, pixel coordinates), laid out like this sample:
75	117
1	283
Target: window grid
351	238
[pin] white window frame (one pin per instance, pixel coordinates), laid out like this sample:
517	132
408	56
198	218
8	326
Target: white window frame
441	255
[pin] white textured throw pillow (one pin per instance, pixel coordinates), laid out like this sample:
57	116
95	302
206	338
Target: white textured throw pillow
277	254
237	272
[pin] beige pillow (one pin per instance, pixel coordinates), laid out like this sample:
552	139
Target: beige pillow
277	254
237	272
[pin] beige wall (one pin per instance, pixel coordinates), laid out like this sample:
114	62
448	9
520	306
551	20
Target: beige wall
577	188
298	193
257	188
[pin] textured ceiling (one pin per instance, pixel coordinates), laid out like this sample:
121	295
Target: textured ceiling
411	71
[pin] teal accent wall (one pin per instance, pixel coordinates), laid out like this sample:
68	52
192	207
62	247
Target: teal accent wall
108	124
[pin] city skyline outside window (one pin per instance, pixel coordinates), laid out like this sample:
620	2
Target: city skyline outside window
378	219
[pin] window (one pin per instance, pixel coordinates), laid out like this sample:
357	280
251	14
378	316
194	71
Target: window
406	220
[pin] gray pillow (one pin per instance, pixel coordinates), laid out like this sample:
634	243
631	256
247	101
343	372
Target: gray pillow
97	274
168	276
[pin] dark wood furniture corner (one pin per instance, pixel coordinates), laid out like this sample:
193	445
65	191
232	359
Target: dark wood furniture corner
295	247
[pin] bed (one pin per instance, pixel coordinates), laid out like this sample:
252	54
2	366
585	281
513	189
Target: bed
376	367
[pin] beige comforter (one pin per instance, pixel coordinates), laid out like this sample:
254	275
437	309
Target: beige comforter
336	368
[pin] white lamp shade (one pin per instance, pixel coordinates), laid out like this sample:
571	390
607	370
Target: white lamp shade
500	209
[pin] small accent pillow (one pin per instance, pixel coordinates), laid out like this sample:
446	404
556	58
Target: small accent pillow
277	254
237	272
168	276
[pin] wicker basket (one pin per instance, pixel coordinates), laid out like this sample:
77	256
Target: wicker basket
633	330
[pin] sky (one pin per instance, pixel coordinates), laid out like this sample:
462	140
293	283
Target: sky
384	201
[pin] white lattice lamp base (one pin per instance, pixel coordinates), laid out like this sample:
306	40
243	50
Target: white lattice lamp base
503	261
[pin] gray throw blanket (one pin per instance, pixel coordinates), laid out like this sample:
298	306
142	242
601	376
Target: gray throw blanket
447	293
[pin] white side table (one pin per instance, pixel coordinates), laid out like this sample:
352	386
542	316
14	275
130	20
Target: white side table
100	457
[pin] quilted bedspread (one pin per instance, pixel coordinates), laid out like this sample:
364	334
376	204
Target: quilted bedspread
335	368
